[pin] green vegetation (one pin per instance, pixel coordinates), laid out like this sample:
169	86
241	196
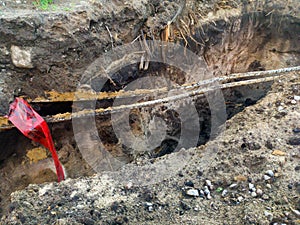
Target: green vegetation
43	4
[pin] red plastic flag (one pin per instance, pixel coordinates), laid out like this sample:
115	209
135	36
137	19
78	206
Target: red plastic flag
33	126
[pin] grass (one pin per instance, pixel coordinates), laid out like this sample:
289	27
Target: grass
43	4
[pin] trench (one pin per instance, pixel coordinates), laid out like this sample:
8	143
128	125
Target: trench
253	42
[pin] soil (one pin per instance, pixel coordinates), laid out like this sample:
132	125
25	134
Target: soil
258	137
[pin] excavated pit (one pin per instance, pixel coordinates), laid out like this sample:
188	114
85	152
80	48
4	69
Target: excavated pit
253	42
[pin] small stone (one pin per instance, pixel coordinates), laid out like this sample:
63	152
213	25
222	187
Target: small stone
148	204
201	193
206	190
278	153
259	192
253	194
185	206
251	186
294	102
266	177
290	186
21	56
297	98
233	185
240	198
270	173
280	108
296	130
208	183
193	192
189	183
80	207
209	196
224	193
296	212
265	197
129	185
294	141
240	178
268	214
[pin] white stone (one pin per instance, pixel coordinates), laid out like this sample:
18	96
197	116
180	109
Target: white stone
266	177
294	102
259	192
21	56
297	98
253	194
193	192
270	173
233	185
240	198
224	193
251	186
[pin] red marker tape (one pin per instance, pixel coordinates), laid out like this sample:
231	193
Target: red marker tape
33	126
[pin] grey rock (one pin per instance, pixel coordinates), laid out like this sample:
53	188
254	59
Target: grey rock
265	197
297	98
233	185
270	173
21	56
259	192
253	194
224	193
266	177
192	192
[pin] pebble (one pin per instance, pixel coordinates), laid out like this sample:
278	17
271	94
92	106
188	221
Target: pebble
270	173
268	214
129	185
259	192
80	207
297	98
150	206
296	212
278	153
296	130
253	194
240	178
224	193
240	198
206	191
294	102
265	197
251	186
294	141
189	183
266	177
209	184
233	185
202	193
280	108
193	192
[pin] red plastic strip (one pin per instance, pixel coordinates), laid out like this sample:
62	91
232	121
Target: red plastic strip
33	126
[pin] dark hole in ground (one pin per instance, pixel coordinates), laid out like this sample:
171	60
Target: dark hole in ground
250	43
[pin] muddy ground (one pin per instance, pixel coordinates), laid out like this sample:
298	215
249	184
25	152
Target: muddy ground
248	175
